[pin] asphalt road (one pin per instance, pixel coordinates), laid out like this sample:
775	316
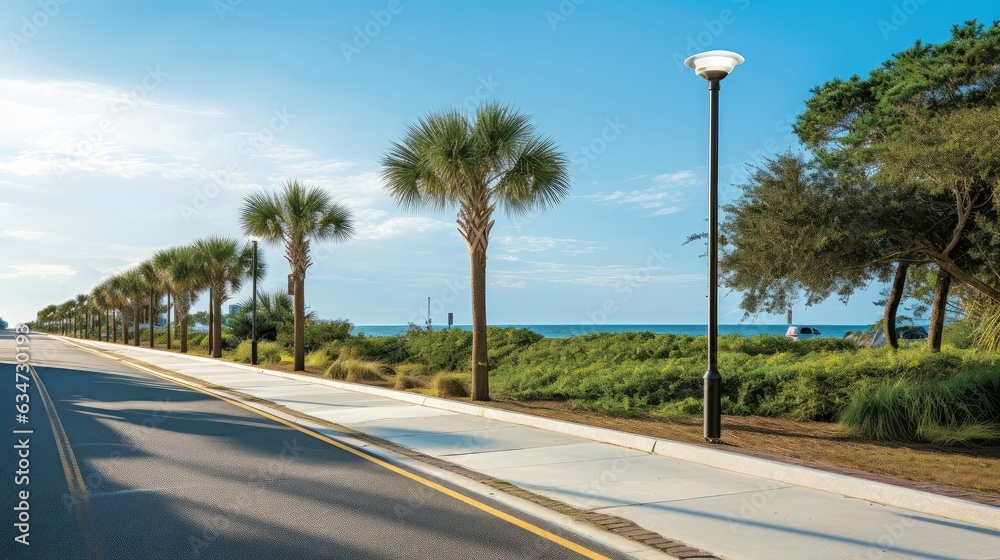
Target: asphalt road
122	464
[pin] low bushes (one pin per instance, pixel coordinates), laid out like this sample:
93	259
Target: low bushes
960	409
267	352
452	385
354	371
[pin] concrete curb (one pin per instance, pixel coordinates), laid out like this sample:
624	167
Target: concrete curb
843	485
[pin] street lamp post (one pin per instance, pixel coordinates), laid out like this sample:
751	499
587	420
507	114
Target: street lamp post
713	66
253	310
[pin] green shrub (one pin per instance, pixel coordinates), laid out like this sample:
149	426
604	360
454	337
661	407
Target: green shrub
689	406
318	359
337	370
449	349
943	411
503	342
388	349
359	371
452	385
958	334
269	352
406	382
318	334
354	371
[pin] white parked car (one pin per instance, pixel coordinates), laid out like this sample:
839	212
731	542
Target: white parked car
802	333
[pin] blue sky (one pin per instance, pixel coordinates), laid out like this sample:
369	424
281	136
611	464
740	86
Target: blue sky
127	127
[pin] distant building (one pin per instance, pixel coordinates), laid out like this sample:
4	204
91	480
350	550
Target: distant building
234	309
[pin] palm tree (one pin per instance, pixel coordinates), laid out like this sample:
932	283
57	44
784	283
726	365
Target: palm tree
83	312
224	265
154	286
134	290
476	164
296	217
99	297
275	312
118	294
66	314
187	281
163	266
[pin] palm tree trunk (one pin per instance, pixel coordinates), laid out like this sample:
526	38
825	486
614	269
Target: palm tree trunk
152	328
480	366
299	325
184	335
941	288
135	324
211	321
892	305
217	324
168	320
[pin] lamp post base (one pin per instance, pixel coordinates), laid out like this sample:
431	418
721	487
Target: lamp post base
713	406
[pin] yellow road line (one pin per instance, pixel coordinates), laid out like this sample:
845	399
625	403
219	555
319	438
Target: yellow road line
74	477
581	550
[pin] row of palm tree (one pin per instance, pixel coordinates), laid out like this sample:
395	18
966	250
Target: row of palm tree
477	164
295	217
218	265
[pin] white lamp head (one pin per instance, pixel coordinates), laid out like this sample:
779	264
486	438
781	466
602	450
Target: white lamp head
713	65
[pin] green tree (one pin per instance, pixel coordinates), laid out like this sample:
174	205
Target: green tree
943	156
863	122
225	264
187	281
153	281
295	218
477	164
275	315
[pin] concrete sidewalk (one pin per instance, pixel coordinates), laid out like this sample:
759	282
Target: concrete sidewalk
732	515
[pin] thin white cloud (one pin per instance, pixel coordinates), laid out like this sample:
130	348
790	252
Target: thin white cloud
667	188
24	235
535	244
399	226
666	211
602	276
504	284
39	270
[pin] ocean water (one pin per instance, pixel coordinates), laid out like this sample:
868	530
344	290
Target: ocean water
564	331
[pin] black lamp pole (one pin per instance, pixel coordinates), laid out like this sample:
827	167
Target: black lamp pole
713	381
253	312
713	67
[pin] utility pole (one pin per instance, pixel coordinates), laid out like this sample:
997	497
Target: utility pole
428	313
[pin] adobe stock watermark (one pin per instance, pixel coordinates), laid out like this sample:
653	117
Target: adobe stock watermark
753	504
365	34
96	481
564	10
768	149
584	155
599	484
711	30
255	144
223	7
32	25
899	16
483	90
248	499
121	109
625	289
